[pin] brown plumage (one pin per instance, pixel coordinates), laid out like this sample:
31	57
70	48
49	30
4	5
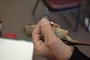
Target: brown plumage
60	33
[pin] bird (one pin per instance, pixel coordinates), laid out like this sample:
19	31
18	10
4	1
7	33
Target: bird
59	32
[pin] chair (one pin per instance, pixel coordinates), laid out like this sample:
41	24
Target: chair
62	5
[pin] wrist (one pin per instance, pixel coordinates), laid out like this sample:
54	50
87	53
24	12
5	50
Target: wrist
66	56
69	53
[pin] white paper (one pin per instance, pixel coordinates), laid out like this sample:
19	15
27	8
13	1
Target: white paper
15	50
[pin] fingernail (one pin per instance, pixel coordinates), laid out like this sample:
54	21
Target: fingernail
51	22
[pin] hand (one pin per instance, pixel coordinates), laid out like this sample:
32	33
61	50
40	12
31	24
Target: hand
52	47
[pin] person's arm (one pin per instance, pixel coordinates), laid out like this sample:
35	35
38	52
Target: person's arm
78	55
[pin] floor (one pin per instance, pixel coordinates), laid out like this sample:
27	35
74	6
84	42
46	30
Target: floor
17	15
69	24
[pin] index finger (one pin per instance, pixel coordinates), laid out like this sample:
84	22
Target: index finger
36	36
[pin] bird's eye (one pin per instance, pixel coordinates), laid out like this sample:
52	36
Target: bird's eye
27	27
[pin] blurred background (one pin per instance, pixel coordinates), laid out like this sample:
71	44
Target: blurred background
15	14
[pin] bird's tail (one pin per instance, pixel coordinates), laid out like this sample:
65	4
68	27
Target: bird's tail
75	42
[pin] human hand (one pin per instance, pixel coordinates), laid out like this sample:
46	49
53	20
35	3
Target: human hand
52	47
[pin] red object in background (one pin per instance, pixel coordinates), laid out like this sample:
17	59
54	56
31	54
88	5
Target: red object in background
10	35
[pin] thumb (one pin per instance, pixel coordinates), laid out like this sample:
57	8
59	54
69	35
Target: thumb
47	30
